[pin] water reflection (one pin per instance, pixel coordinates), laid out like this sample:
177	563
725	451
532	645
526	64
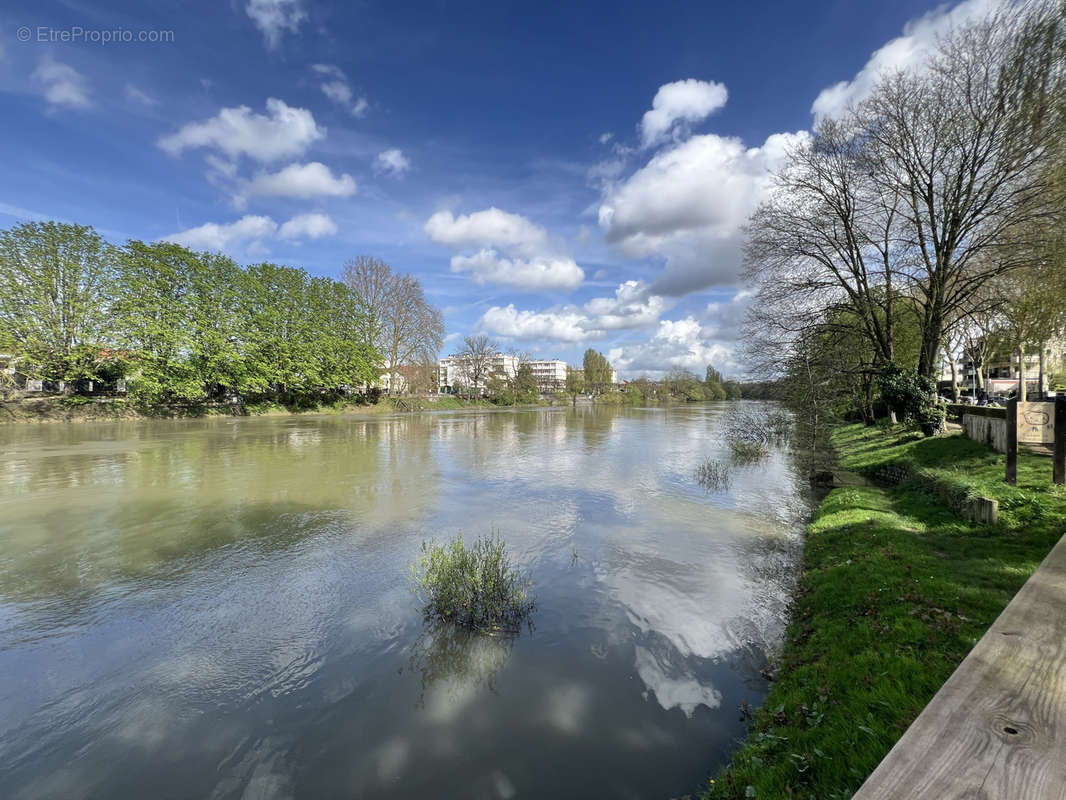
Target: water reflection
223	605
454	663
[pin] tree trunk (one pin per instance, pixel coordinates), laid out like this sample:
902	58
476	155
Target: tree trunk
954	382
1043	372
1021	374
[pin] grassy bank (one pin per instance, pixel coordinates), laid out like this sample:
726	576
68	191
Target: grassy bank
894	592
78	409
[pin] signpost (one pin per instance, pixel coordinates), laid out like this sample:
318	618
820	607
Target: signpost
1037	423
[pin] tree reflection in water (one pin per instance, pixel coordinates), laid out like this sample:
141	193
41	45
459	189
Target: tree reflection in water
459	659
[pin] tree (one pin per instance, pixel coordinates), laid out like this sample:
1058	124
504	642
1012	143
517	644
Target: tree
153	312
524	384
575	383
215	326
477	354
412	330
398	322
597	371
371	281
962	145
56	283
684	384
826	238
713	385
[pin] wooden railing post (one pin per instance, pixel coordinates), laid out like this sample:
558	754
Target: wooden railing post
1060	438
1012	442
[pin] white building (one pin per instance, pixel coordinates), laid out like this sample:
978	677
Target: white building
550	374
456	371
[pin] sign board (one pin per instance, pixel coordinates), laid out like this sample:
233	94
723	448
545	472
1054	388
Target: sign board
1036	423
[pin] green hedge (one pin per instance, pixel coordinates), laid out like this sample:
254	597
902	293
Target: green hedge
958	409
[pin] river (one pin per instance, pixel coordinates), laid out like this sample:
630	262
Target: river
222	608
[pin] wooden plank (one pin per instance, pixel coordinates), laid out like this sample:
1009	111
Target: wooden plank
997	729
1012	442
1059	469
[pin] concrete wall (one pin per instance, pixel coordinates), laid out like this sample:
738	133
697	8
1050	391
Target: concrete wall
987	430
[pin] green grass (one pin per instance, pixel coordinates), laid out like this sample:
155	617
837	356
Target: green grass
895	590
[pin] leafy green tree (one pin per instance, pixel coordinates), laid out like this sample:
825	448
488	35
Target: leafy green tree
683	384
153	311
597	371
215	346
575	383
56	284
524	385
280	355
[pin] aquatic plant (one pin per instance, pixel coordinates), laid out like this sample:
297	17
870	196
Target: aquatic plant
745	451
473	586
713	475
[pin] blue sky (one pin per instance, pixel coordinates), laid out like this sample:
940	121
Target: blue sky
560	176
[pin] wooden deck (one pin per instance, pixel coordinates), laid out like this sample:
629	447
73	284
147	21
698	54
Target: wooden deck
997	729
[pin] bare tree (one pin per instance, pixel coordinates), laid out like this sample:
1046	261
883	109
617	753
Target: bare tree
413	330
399	323
826	239
477	354
963	144
371	280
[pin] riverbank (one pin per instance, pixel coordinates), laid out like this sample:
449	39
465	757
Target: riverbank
79	409
895	591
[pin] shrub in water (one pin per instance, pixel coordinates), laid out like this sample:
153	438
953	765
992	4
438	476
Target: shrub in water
713	475
746	452
474	587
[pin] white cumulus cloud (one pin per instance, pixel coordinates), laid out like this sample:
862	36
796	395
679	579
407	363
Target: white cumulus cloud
682	343
509	250
61	84
215	236
302	180
906	52
275	17
393	161
283	132
251	230
631	307
529	274
560	326
491	228
310	226
679	104
688	205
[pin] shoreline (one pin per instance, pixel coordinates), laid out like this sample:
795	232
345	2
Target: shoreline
894	590
58	410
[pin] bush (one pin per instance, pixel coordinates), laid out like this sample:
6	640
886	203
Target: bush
475	587
931	419
911	396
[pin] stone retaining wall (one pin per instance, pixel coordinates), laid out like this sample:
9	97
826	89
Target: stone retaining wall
982	510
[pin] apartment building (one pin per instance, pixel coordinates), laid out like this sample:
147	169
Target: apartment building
456	371
550	374
1001	370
